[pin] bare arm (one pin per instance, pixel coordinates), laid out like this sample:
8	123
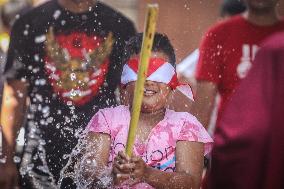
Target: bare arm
12	114
179	102
204	101
189	164
94	161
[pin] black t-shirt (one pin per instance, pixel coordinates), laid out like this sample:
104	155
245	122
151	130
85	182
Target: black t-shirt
73	66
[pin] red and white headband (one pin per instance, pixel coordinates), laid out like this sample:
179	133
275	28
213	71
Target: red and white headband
159	71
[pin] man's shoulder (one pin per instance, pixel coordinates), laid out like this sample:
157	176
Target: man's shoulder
109	11
40	12
114	16
227	24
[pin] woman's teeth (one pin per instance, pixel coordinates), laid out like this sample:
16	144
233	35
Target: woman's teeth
149	92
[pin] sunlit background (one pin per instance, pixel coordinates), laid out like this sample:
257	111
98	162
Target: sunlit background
184	21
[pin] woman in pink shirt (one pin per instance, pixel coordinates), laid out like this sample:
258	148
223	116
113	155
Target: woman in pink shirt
169	146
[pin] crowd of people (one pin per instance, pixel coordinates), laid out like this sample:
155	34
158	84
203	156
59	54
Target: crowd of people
68	58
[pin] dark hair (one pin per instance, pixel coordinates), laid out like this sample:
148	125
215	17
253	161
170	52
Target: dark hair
232	7
161	44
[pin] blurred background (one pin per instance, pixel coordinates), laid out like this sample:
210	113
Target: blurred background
184	21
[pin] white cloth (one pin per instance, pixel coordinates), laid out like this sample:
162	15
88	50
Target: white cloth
188	65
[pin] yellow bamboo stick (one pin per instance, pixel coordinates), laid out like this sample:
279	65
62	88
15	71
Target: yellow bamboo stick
148	37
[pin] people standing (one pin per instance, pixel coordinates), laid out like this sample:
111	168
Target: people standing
226	54
65	57
186	68
248	147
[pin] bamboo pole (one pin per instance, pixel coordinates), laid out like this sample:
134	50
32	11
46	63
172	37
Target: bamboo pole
148	37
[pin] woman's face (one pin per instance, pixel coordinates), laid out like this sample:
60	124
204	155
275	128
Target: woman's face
155	93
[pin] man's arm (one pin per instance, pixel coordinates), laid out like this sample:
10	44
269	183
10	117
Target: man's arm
180	102
12	114
204	101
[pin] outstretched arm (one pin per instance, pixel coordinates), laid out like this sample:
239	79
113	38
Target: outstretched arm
93	164
204	102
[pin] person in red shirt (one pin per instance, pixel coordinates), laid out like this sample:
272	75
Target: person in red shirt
248	151
226	54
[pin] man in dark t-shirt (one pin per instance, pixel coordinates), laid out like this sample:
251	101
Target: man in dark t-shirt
65	57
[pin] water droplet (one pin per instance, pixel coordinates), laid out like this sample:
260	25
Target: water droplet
16	159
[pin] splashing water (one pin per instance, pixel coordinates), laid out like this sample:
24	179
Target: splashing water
27	165
82	168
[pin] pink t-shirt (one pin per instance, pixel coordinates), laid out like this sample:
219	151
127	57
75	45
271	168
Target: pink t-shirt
159	150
